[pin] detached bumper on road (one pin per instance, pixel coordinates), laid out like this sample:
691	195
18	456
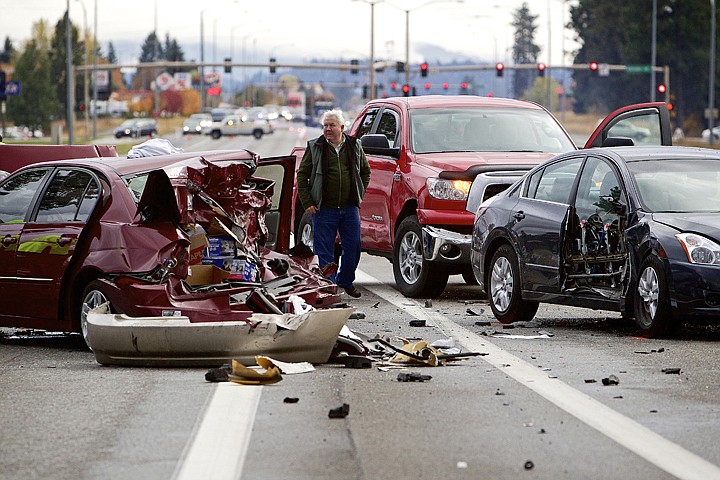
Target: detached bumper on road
117	339
445	246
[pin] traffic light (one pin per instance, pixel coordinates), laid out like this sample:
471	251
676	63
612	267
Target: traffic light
406	90
354	69
424	69
393	86
228	67
594	67
400	67
365	91
541	69
661	88
272	64
499	69
463	85
2	85
445	85
427	85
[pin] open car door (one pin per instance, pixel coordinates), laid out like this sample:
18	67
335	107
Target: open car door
639	124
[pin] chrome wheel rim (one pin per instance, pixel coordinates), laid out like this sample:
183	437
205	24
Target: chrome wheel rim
92	299
306	235
501	284
410	258
649	291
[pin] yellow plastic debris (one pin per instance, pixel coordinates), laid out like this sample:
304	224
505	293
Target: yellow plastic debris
250	376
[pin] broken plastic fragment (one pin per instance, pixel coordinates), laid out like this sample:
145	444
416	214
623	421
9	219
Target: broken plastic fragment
339	412
417	323
673	370
291	400
249	376
285	367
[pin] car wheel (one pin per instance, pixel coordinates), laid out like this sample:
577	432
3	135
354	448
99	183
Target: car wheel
503	288
415	277
469	276
653	314
216	134
304	231
258	133
93	296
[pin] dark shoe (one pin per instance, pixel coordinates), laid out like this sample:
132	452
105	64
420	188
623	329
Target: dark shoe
352	291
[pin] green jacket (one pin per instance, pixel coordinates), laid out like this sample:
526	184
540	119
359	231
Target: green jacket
338	181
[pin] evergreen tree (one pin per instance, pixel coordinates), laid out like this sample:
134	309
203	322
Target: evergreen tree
173	53
57	54
524	48
7	51
111	56
37	104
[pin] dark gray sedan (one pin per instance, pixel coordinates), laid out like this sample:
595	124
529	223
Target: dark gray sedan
630	229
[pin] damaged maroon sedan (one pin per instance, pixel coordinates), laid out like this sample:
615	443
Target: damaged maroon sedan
186	239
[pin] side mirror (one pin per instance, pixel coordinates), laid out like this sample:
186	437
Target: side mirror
618	142
378	144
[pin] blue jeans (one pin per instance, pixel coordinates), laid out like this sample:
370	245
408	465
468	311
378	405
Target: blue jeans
327	222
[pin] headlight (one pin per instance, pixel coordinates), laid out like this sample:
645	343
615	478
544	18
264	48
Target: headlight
448	189
699	249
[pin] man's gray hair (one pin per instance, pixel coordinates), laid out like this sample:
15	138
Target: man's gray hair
337	113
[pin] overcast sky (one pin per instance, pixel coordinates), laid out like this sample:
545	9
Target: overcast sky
293	30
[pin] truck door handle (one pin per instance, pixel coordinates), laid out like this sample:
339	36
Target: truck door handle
9	240
519	215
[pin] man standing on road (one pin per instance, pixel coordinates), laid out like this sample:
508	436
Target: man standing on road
332	178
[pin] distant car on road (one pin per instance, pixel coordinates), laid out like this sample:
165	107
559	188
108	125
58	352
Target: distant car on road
137	127
629	229
196	122
239	125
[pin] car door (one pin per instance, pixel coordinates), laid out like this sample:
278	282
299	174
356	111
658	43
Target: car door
17	195
539	219
644	124
375	215
48	240
278	216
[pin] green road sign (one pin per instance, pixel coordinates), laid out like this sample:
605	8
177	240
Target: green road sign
638	68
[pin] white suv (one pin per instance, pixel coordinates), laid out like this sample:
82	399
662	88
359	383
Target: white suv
239	125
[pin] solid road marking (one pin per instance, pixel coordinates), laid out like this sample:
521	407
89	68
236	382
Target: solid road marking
219	445
640	440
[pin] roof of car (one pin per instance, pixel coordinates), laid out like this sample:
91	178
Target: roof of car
657	152
434	101
127	166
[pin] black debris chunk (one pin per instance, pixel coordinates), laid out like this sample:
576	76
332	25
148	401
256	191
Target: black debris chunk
483	323
428	303
357	315
671	371
353	361
611	380
291	400
339	412
529	465
376	305
412	377
218	374
542	430
590	380
645	352
472	312
499	392
508	327
417	323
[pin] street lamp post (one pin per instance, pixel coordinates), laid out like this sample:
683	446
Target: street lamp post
94	70
86	92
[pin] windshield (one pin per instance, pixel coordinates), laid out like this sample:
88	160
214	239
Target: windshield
476	129
678	185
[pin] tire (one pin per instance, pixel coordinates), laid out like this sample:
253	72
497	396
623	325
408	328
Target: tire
653	314
415	277
257	133
93	296
469	276
503	288
216	134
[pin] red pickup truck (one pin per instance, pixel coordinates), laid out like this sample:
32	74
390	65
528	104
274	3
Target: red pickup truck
425	152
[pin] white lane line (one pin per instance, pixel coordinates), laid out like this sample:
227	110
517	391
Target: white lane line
219	445
640	440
